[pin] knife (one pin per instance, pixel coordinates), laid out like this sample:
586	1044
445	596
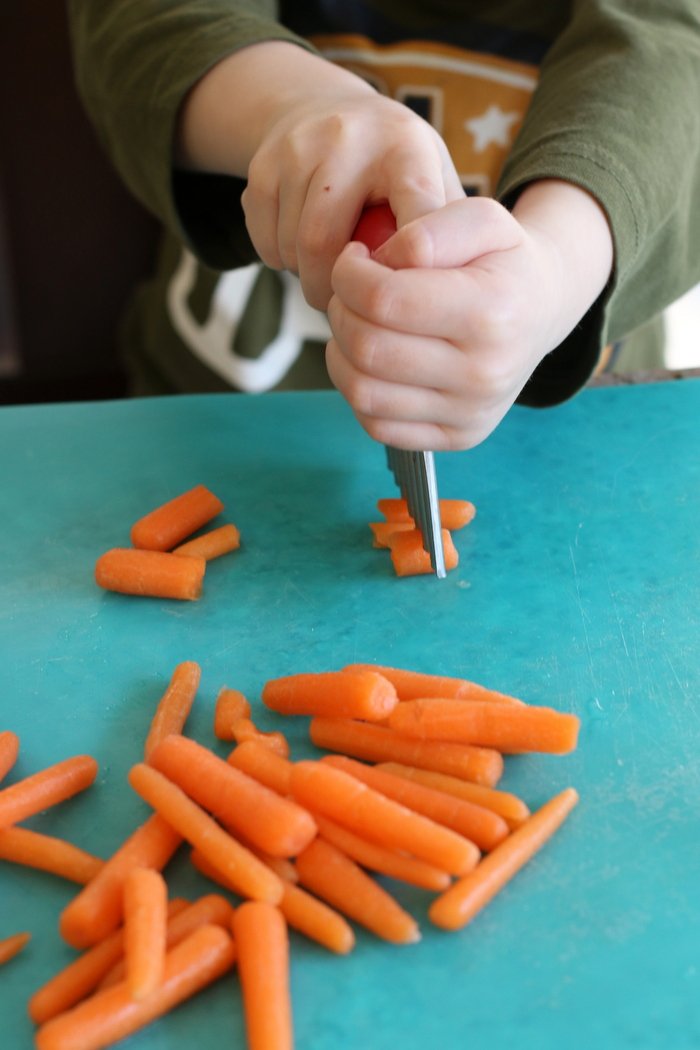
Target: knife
414	472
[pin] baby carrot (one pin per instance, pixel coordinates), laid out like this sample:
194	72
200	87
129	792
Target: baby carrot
414	685
262	764
454	513
384	530
262	956
150	574
174	705
251	877
34	850
46	788
98	908
145	921
77	980
245	730
461	902
337	879
335	694
212	544
13	945
273	823
168	525
113	1014
377	744
230	706
384	861
409	557
340	796
510	728
281	866
513	810
485	828
9	749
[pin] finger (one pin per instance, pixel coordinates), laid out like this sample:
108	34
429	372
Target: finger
260	203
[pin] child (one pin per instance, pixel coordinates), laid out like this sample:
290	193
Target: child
542	162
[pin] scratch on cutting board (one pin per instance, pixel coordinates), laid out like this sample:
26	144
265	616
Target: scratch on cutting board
582	612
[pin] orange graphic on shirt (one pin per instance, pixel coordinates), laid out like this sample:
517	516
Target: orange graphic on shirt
476	102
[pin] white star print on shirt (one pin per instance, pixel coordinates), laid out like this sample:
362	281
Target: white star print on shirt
493	126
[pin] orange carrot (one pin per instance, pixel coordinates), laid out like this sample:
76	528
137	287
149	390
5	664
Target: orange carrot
77	980
384	861
212	544
34	850
13	945
384	530
282	866
262	764
245	730
145	922
513	810
409	557
150	574
510	728
113	1014
272	823
414	685
337	879
262	950
97	910
174	705
9	749
231	705
461	902
377	744
334	694
168	525
454	513
246	872
484	827
46	788
342	797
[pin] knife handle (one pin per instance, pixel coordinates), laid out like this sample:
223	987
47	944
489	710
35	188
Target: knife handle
375	225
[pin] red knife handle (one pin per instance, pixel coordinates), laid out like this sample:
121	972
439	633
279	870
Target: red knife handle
375	225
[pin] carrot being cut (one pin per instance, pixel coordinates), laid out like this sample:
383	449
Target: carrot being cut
172	522
231	705
414	685
251	877
47	853
113	1013
9	749
409	557
145	922
174	705
338	880
465	898
343	798
334	694
382	531
49	786
98	908
509	728
150	574
212	544
484	827
262	764
12	946
262	956
454	513
379	744
270	822
507	805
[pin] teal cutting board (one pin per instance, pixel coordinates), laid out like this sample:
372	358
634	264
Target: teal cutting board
578	587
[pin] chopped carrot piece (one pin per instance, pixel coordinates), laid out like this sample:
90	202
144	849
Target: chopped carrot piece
262	764
113	1014
245	730
168	525
231	705
343	798
513	810
466	897
98	909
384	530
342	883
251	877
35	850
212	544
454	513
484	827
409	557
145	922
46	788
174	705
335	694
262	950
9	749
414	685
510	728
377	744
150	574
12	946
272	823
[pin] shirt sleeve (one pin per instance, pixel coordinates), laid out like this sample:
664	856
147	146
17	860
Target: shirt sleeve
616	112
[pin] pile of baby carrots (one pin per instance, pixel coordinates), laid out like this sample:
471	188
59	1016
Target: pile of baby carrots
399	533
407	789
